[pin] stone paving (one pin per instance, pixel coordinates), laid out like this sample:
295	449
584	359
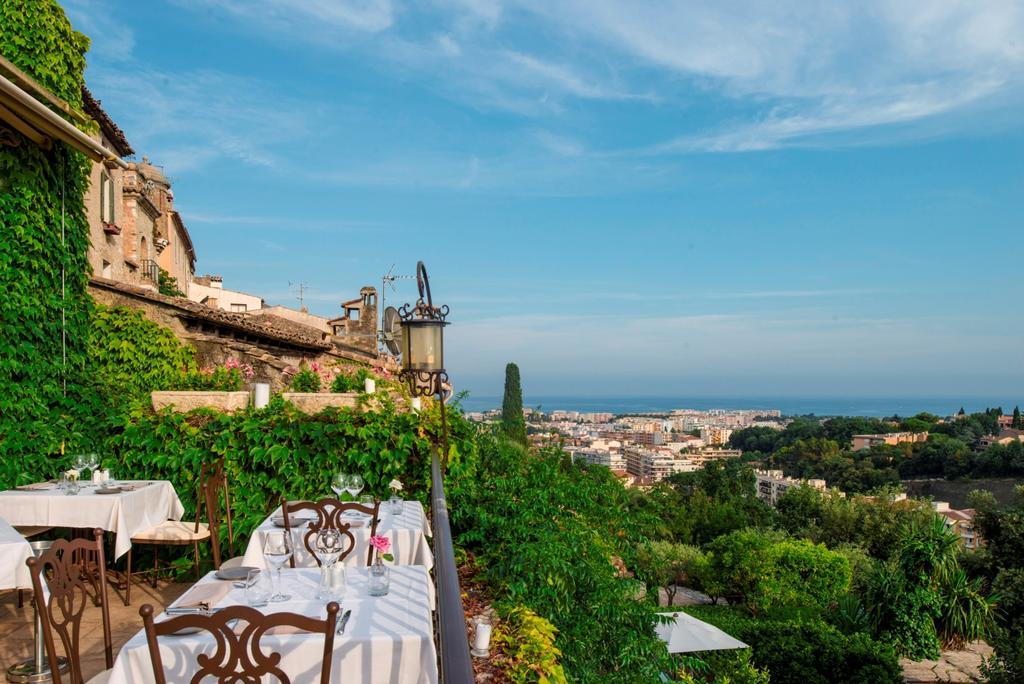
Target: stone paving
952	666
16	631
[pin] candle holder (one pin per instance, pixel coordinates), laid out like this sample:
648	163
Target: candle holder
481	637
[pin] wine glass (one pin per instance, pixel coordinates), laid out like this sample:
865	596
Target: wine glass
339	483
277	549
355	485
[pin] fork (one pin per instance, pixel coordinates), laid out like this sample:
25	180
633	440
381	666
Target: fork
343	621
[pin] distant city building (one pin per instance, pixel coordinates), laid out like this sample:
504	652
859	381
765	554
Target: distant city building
891	438
1007	436
656	463
772	484
628	436
961	523
715	435
607	453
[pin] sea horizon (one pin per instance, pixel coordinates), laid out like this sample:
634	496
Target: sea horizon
868	407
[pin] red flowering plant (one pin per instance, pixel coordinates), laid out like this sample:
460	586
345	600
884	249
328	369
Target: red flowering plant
231	377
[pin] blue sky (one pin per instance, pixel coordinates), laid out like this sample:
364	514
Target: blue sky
720	198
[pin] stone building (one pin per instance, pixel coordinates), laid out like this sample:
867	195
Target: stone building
358	325
133	227
104	200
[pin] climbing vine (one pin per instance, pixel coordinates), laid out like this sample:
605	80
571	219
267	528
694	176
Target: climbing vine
44	238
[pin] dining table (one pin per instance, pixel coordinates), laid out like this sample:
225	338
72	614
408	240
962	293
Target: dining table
14	551
386	638
408	531
130	507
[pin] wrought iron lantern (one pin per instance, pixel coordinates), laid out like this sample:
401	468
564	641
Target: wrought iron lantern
423	341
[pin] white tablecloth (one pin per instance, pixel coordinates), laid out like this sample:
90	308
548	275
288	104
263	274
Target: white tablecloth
123	514
14	549
408	533
387	639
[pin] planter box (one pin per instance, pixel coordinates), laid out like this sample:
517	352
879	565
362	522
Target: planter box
183	402
315	402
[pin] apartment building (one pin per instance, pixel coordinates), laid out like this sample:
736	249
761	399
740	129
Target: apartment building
772	484
891	438
656	463
961	522
715	436
210	290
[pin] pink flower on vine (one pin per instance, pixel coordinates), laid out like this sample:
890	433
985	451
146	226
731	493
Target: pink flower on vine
315	367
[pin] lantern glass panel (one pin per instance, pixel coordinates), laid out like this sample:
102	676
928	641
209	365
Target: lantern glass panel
423	343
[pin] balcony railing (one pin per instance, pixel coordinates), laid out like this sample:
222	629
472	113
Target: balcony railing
150	270
456	665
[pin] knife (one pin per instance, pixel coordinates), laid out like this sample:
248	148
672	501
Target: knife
190	610
344	621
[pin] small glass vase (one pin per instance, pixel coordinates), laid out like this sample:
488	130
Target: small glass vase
397	504
380	579
72	487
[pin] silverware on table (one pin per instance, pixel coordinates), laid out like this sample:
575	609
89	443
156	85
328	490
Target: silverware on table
344	621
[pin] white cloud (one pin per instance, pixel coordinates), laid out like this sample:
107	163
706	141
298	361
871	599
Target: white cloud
314	17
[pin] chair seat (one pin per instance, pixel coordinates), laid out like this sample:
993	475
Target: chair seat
31	530
174	531
236	562
101	678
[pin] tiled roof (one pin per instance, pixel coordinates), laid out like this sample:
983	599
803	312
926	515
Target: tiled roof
267	327
110	129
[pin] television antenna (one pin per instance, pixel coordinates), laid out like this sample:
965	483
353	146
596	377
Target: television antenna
388	280
300	290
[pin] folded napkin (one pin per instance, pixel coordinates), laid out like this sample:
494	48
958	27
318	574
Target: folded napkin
201	597
38	486
131	487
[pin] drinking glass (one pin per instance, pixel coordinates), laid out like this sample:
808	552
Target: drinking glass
339	483
258	588
91	461
380	579
397	504
328	549
355	485
277	549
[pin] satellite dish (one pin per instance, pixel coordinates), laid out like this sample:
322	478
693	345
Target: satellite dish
391	331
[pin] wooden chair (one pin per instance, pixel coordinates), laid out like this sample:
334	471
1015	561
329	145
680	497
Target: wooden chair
329	516
216	471
67	574
29	531
182	533
238	656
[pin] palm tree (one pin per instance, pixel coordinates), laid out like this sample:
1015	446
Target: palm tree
967	615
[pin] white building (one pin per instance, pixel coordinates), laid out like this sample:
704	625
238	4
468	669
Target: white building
209	290
772	484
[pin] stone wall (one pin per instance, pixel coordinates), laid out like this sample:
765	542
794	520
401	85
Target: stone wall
274	352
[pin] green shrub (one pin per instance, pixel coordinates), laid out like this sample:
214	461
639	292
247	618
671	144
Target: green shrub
529	644
306	380
547	531
351	382
751	568
808	651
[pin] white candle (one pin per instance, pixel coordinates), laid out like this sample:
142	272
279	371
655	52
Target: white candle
370	385
417	403
482	639
261	395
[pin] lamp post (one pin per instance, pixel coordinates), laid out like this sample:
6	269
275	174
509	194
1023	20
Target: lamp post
423	347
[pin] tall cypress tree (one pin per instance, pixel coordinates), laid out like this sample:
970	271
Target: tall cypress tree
512	422
1016	418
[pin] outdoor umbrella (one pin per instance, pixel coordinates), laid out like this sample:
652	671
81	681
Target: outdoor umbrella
685	634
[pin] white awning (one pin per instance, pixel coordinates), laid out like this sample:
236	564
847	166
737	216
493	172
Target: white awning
686	634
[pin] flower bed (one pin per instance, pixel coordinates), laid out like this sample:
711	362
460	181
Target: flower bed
189	400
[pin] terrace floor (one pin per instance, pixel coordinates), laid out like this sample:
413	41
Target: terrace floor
16	631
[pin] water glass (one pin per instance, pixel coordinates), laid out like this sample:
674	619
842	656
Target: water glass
71	486
258	588
339	483
277	549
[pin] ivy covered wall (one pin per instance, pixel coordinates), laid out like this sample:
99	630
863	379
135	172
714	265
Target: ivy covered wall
43	232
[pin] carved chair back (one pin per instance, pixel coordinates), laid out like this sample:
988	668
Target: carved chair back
238	657
213	483
62	578
330	515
